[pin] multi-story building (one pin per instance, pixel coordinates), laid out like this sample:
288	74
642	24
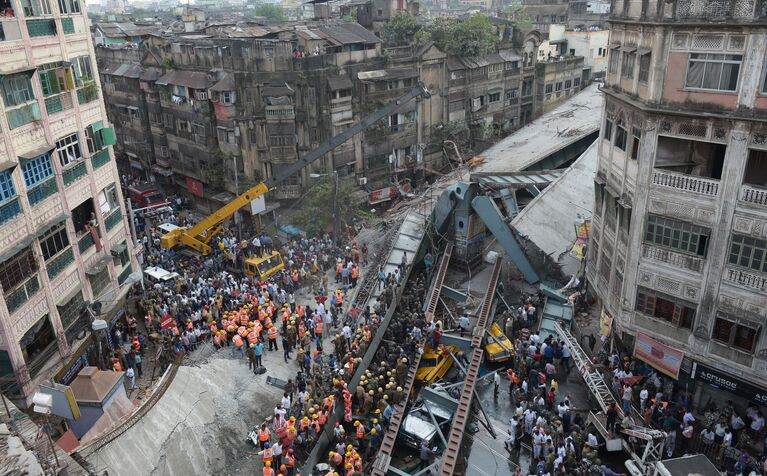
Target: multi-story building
64	237
558	79
678	251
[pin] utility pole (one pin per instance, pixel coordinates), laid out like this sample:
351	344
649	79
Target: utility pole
335	210
237	215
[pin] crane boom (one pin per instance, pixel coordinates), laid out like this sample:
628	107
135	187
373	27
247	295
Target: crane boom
199	236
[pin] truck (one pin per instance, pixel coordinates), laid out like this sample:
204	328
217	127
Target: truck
145	195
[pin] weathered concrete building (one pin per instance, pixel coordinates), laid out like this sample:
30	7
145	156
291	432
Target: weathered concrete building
678	251
64	234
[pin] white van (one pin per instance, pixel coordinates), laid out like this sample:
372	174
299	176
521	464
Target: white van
167	227
159	275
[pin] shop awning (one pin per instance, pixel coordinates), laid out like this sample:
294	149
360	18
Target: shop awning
643	51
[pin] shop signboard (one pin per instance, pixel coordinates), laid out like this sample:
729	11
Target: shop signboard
728	382
194	187
166	322
664	358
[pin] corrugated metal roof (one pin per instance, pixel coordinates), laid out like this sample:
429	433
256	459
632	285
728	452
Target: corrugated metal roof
150	74
127	70
386	74
190	79
368	75
336	83
348	33
224	84
277	90
454	64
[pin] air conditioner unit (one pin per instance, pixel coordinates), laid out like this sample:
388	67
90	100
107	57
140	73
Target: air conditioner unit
362	181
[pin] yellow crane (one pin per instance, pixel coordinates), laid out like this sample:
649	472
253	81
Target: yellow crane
199	236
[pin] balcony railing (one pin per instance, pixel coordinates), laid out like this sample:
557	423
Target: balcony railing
341	103
281	111
10	210
85	242
59	103
745	279
89	92
20	295
23	115
73	174
68	25
677	260
100	158
288	192
755	195
42	27
714	9
687	183
124	274
113	219
42	191
59	263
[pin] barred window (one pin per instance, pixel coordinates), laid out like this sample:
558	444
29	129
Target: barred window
749	253
17	269
666	308
621	135
559	86
644	68
38	169
713	71
568	84
69	312
577	82
677	235
627	71
54	241
614	59
608	130
549	88
17	89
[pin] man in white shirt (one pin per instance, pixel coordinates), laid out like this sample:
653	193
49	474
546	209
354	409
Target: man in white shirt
643	395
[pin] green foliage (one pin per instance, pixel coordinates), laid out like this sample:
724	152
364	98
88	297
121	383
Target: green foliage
316	212
516	12
271	12
349	18
475	36
400	30
421	37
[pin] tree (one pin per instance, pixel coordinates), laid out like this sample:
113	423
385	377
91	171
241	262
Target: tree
400	30
271	12
516	13
475	36
315	216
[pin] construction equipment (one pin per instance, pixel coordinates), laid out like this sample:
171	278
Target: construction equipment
199	236
265	266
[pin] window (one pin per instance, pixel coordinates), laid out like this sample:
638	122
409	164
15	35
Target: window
164	151
644	68
735	335
527	87
568	84
38	169
614	58
183	126
17	269
627	70
199	129
621	135
227	97
54	78
562	18
108	199
713	71
68	150
512	93
99	281
608	130
749	253
7	189
167	120
83	71
71	318
54	241
576	82
605	265
34	8
17	89
69	6
635	141
226	136
659	306
549	88
494	97
179	91
559	86
677	235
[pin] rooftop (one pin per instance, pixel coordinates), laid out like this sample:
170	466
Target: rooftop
94	385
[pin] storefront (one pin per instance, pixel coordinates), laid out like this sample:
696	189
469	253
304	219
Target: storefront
717	386
660	356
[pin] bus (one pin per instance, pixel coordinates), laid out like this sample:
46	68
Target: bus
264	266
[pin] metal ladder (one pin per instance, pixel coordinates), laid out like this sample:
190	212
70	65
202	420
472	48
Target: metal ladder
462	414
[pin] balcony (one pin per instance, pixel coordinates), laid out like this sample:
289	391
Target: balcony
672	258
709	10
85	242
15	299
113	219
279	112
41	27
88	93
341	103
60	262
10	210
58	103
753	195
24	114
100	158
283	154
745	279
687	183
124	274
42	191
287	192
75	173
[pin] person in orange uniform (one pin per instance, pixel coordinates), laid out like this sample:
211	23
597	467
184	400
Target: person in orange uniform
290	463
268	471
272	334
238	343
263	436
267	455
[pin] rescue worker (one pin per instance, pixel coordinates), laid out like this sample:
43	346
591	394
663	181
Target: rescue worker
263	436
272	334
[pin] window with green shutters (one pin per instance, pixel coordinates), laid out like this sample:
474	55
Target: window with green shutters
17	89
42	27
677	235
68	25
749	252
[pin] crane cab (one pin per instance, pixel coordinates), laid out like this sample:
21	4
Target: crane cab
264	266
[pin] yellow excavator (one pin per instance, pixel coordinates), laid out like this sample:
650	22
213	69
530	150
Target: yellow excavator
199	236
